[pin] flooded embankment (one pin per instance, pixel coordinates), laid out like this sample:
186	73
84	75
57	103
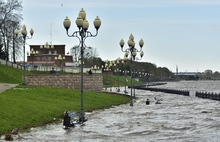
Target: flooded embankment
179	118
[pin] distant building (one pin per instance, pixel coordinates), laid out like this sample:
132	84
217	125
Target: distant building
46	57
187	75
177	70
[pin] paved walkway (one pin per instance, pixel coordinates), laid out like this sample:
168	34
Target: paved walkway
6	86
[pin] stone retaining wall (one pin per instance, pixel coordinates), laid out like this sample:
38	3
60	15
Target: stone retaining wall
90	82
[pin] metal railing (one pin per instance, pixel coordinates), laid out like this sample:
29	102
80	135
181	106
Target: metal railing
11	64
74	69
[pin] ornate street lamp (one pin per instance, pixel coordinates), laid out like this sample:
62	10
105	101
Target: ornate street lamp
106	82
117	71
108	67
47	49
95	68
133	52
82	33
60	59
32	53
25	37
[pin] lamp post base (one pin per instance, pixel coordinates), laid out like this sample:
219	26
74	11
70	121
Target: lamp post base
24	82
118	90
82	119
82	115
131	103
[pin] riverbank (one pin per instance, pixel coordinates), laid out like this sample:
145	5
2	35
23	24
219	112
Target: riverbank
177	118
24	107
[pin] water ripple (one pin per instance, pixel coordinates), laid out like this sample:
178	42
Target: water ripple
178	118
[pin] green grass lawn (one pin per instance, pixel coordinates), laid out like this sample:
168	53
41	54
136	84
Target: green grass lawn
10	75
28	106
114	80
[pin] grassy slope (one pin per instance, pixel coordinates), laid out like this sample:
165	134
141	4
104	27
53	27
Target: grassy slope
113	80
10	75
27	106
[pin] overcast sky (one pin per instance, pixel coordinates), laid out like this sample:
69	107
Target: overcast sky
183	33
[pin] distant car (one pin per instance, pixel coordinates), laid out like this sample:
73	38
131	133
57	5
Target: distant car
26	65
29	65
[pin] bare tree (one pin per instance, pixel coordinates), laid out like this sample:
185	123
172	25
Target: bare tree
2	53
75	52
90	56
89	52
10	18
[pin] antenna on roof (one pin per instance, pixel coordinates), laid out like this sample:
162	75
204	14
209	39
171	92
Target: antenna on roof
51	33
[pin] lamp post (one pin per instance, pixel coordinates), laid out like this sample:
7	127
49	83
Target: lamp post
125	74
134	81
106	68
82	33
111	64
60	59
117	70
47	50
133	52
25	37
124	61
105	82
79	63
32	53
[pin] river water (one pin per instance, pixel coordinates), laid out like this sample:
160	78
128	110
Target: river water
178	119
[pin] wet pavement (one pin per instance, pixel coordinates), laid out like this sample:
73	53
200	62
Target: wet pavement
6	86
178	118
